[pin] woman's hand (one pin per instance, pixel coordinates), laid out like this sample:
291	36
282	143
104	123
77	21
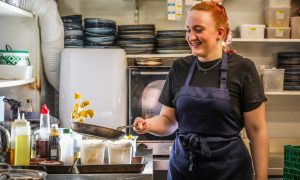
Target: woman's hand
141	126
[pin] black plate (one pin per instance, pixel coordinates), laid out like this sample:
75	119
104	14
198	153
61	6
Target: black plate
136	27
284	55
291	87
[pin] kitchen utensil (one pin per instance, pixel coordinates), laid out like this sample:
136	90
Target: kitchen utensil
149	61
99	131
4	144
137	165
6	172
123	127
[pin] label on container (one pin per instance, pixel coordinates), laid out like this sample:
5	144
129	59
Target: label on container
53	152
280	14
171	10
279	32
178	10
252	29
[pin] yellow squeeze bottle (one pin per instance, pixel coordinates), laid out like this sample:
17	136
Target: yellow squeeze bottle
22	143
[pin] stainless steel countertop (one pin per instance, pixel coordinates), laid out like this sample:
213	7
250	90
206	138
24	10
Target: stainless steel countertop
147	174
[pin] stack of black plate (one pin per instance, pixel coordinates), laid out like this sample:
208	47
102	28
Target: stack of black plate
290	61
73	31
136	39
172	42
99	33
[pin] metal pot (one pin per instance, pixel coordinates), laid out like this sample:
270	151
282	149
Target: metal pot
7	173
4	139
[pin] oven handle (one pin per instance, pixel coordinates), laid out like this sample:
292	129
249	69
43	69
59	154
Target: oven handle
148	73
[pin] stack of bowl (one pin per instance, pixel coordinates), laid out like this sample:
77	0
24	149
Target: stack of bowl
136	39
99	33
290	61
73	31
172	42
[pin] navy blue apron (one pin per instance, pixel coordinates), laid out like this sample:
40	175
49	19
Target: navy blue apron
205	146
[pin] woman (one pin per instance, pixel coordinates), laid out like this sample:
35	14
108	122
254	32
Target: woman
210	96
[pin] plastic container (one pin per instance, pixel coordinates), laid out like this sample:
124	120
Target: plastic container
119	152
291	162
77	144
277	3
277	16
278	32
22	143
252	31
42	144
92	152
66	148
273	79
295	25
11	72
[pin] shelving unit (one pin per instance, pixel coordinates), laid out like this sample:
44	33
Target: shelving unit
284	93
265	40
20	29
10	83
7	10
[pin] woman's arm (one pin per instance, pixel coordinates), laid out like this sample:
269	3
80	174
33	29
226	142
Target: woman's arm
255	123
162	125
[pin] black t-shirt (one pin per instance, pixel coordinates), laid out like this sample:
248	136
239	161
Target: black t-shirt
244	84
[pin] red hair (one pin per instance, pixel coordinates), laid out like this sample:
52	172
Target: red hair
218	12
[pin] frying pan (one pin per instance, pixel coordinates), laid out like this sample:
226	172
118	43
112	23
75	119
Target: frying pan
99	131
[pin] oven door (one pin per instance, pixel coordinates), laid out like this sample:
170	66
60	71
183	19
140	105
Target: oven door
145	85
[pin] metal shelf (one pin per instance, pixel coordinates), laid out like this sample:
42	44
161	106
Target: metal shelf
265	40
10	83
291	92
155	55
7	10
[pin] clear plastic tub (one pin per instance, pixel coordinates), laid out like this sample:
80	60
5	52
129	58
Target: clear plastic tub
16	72
252	31
119	152
295	25
277	16
273	79
92	152
277	3
278	32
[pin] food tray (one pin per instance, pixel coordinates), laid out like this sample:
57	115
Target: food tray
137	165
49	169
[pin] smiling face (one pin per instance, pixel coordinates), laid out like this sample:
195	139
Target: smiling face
204	38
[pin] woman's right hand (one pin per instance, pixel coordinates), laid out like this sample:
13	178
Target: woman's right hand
141	126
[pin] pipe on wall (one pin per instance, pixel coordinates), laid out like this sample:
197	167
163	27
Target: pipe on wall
52	36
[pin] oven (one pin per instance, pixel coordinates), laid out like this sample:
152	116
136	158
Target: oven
145	85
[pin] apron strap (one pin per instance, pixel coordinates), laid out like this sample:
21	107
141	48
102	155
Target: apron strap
224	68
191	71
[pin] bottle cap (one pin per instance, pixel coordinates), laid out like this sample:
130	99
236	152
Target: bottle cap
44	109
55	126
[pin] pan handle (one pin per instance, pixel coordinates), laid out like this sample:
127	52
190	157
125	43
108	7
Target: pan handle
123	127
